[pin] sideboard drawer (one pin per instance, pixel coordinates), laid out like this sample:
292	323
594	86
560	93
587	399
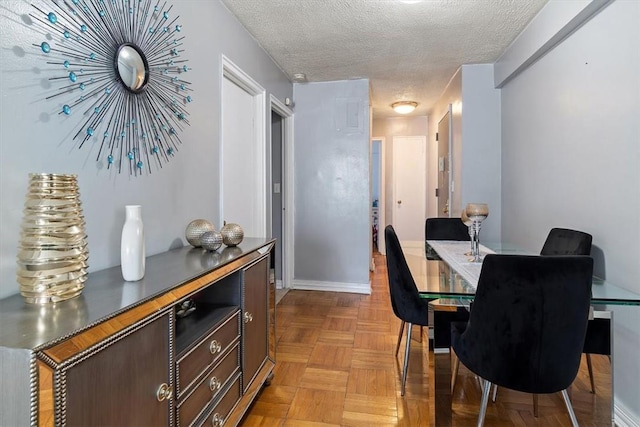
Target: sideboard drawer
218	415
209	388
207	352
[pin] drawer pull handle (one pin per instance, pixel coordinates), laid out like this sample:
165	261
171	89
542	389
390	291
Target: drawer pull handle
164	392
248	317
214	384
217	420
214	347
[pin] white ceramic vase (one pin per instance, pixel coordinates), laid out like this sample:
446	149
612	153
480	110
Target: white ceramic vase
132	248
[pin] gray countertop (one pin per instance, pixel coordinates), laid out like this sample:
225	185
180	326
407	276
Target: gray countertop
31	326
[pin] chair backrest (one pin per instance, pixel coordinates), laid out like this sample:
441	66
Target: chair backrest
529	320
445	229
563	241
405	298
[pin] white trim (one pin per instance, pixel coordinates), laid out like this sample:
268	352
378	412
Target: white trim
236	75
622	417
279	284
287	191
312	285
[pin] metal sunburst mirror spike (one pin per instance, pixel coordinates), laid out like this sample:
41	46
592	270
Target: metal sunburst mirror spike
118	65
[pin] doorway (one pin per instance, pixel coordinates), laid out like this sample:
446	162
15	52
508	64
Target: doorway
281	193
378	217
409	189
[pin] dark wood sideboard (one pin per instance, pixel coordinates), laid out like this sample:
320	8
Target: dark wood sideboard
124	353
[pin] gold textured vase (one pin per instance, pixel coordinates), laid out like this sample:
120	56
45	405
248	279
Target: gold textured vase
53	252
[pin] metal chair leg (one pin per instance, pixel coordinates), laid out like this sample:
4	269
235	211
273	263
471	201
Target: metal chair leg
406	359
572	415
483	405
399	337
590	368
495	393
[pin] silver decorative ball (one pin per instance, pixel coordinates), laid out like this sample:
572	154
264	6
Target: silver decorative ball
211	240
195	229
232	234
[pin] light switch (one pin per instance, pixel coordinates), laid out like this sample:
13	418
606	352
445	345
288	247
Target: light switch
276	188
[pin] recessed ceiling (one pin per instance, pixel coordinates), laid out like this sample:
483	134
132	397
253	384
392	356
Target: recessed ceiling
408	50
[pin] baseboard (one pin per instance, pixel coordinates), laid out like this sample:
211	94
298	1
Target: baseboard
279	284
622	417
312	285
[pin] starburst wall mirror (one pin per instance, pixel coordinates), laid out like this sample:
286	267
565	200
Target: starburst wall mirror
117	68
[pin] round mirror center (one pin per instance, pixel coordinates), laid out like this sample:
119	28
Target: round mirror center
132	67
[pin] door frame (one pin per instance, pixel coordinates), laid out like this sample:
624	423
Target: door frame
237	76
382	205
287	189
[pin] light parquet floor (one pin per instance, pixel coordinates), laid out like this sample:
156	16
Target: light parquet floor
336	367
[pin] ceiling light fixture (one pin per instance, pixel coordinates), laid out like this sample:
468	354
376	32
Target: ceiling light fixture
404	107
299	77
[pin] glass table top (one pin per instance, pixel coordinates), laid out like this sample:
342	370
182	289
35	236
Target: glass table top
436	279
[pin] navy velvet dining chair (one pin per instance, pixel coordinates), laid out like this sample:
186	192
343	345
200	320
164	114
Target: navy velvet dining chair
405	298
527	327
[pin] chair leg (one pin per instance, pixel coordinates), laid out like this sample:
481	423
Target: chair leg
406	359
535	405
399	337
495	393
572	415
590	368
483	405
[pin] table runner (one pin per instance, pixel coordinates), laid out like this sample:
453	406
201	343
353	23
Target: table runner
453	253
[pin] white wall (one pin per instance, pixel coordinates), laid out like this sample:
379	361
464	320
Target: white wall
332	200
571	158
34	138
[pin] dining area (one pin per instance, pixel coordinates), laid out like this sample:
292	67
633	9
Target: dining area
518	322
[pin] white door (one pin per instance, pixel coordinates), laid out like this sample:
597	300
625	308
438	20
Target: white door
242	153
409	188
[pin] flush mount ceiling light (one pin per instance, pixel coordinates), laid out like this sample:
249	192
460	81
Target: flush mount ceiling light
299	77
404	107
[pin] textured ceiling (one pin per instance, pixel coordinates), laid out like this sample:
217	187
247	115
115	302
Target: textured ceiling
408	50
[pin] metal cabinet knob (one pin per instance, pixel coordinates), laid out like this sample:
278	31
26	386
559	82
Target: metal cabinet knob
217	420
214	384
248	317
164	392
214	347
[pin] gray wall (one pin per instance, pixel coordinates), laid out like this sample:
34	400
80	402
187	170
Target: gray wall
571	158
476	145
34	138
332	201
478	172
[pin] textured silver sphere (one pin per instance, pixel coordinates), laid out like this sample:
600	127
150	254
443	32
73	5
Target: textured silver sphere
211	240
232	234
195	229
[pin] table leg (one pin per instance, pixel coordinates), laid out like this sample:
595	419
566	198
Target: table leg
444	312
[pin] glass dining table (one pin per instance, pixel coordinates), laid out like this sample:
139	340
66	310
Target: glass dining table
444	275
